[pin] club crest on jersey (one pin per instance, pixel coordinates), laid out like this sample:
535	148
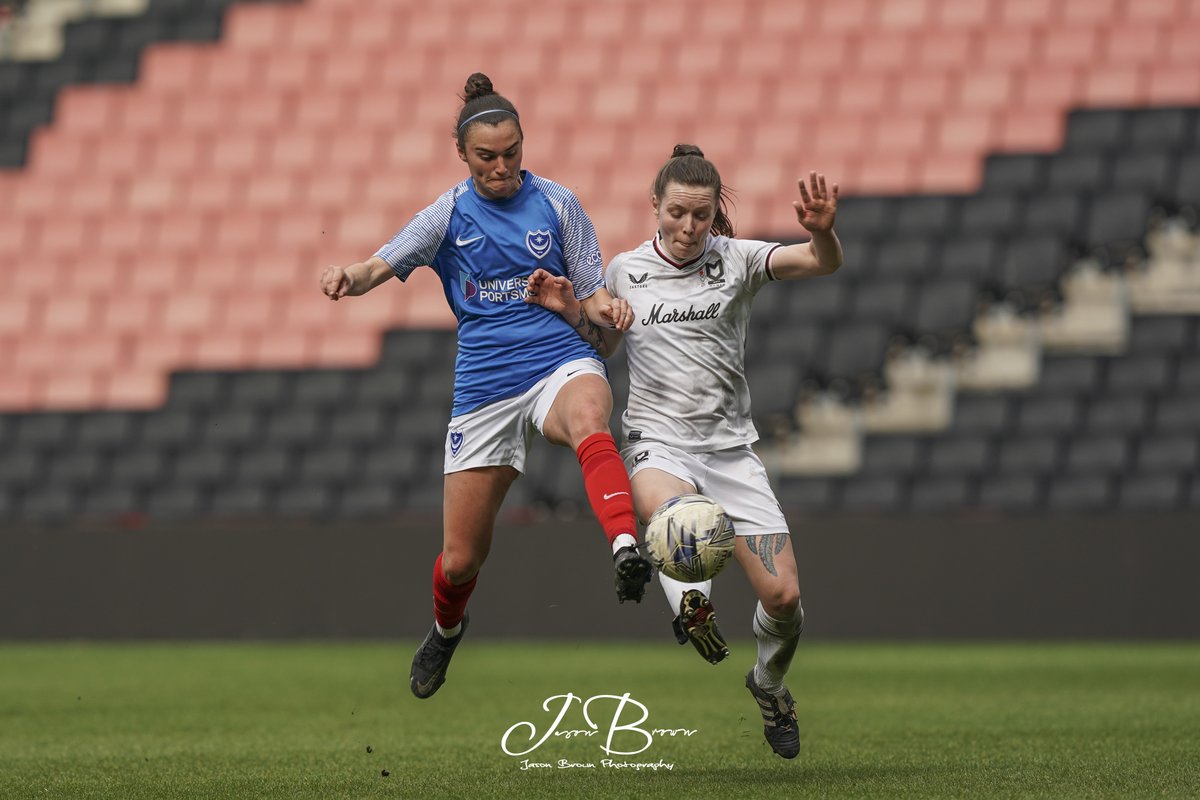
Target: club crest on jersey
456	441
714	272
538	243
467	284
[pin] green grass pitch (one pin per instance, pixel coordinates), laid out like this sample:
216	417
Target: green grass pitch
325	720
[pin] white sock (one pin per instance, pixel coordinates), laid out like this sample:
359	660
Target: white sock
448	633
623	540
674	590
777	640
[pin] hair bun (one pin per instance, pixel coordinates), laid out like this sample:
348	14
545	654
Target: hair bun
478	85
686	150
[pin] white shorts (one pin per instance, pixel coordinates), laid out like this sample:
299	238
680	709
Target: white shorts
499	434
735	478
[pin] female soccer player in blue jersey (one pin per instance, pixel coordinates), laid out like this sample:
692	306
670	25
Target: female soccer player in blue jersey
519	366
687	427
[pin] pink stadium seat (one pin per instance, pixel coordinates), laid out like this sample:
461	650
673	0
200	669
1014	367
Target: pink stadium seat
1067	46
134	313
902	132
976	14
946	49
87	109
374	31
1147	10
69	236
964	132
1042	89
1030	131
905	14
252	311
1011	47
1089	10
987	88
206	112
1182	38
223	349
849	15
282	348
253	27
1112	85
357	349
238	152
145	112
783	17
1173	85
233	72
1026	12
71	391
882	175
18	313
617	101
607	22
923	90
129	388
117	154
318	31
88	351
1135	43
859	93
949	174
171	69
188	313
843	135
164	351
885	50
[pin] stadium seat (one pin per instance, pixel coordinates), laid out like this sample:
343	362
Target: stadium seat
1011	492
870	493
942	494
1080	493
893	455
1166	453
1037	454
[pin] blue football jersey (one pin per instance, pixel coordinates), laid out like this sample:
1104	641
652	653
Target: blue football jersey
483	250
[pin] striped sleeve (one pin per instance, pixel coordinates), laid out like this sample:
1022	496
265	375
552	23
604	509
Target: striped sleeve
581	250
417	242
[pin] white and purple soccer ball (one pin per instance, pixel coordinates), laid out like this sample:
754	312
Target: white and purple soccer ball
690	538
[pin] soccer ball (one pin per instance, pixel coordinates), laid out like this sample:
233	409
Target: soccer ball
689	538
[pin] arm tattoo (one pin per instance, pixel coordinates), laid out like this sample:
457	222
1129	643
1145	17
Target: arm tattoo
767	547
590	332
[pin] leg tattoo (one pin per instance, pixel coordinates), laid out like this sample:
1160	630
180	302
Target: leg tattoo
767	547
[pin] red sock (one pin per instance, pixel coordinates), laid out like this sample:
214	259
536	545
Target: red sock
607	485
449	601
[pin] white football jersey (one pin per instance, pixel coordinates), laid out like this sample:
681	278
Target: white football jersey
687	345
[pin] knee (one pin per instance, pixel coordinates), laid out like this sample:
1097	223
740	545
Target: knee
460	567
589	417
783	603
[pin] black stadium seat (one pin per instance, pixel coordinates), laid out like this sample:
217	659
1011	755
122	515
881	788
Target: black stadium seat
1095	130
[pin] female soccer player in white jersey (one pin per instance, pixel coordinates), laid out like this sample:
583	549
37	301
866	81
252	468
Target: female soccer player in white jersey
687	427
519	367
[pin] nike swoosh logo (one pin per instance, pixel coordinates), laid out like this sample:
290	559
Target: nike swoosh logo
424	687
461	242
614	494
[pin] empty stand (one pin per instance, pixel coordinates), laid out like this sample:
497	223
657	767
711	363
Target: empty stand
171	221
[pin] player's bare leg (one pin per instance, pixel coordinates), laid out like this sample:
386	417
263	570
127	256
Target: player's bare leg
578	419
695	620
770	565
471	500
